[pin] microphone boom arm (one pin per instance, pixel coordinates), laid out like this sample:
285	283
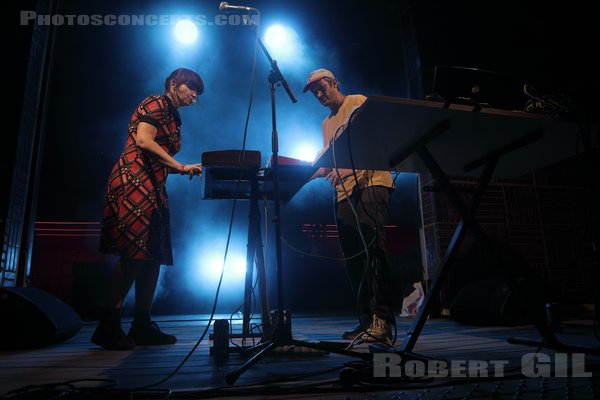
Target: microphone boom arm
277	76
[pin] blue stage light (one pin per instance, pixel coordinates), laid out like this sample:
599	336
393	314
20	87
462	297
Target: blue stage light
277	37
235	268
186	31
306	151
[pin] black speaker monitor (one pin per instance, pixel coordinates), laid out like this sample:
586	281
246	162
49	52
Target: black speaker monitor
33	318
473	86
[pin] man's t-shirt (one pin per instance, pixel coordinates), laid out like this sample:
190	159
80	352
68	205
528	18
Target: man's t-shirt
334	123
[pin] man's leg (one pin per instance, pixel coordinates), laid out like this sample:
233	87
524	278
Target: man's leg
373	211
351	244
374	206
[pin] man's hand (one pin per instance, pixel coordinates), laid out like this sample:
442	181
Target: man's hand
320	173
336	176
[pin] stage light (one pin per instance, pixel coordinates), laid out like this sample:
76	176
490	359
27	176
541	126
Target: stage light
216	265
283	43
276	37
234	268
186	31
238	266
306	152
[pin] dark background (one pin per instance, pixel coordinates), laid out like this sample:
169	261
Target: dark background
98	75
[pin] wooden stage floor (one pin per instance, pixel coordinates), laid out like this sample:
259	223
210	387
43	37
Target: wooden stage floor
76	368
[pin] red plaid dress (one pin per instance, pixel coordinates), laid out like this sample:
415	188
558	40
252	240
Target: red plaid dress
136	210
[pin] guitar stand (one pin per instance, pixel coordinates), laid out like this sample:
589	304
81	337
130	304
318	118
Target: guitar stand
469	222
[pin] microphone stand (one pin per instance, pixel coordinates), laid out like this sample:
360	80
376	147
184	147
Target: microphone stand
282	333
283	328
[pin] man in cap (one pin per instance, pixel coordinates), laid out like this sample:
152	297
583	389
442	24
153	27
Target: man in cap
361	208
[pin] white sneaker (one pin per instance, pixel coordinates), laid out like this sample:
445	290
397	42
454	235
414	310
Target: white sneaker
379	331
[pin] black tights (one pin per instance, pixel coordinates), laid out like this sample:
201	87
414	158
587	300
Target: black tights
144	273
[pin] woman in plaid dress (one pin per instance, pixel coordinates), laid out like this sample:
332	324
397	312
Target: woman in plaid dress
135	225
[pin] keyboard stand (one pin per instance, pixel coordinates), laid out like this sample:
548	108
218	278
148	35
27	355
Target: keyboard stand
423	136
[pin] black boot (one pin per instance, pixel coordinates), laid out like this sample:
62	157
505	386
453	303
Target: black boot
144	331
108	333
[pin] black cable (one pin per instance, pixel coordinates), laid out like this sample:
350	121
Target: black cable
246	298
366	172
260	387
56	389
269	388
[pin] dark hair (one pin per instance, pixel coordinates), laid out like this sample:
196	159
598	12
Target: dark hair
187	76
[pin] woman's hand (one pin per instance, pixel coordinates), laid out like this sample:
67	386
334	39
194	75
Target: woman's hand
192	169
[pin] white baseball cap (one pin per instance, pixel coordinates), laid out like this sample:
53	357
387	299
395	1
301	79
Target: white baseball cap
316	75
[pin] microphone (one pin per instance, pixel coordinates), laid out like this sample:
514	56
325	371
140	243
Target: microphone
181	98
225	7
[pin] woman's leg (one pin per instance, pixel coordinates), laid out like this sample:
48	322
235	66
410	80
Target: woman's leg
145	286
121	280
143	330
109	333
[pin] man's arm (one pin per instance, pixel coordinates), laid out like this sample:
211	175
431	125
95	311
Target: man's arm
320	173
